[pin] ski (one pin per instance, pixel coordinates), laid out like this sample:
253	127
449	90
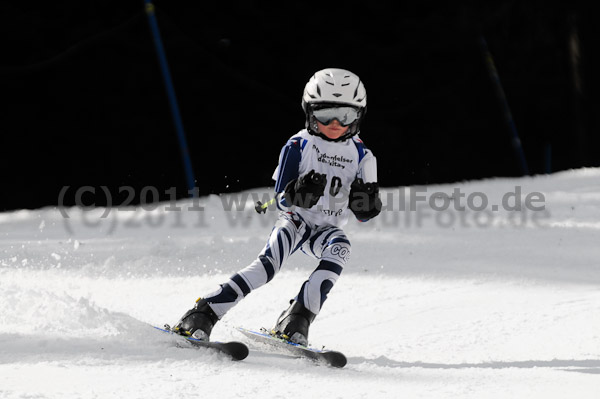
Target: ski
235	350
331	358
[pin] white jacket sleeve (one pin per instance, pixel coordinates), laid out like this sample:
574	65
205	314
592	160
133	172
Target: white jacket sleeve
368	168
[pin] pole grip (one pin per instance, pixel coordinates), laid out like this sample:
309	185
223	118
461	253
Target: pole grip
262	208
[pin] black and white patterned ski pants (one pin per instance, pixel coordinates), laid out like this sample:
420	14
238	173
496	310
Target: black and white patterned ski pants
328	244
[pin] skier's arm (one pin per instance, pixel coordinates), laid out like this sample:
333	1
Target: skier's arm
287	170
364	198
368	168
289	163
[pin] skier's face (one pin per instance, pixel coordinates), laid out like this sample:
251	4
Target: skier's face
334	130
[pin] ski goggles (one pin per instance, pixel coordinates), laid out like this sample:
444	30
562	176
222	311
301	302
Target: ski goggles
344	115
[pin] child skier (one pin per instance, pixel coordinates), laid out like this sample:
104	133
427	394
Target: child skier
323	171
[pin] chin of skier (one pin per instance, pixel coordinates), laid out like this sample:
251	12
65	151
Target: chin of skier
325	172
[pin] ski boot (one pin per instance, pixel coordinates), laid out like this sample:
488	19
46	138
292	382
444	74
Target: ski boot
197	322
293	324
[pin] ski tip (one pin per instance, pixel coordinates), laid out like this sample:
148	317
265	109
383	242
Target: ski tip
326	357
243	353
335	359
234	349
237	350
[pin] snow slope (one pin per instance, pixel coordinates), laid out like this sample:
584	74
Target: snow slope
490	304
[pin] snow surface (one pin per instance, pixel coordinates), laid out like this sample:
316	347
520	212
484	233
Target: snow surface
432	304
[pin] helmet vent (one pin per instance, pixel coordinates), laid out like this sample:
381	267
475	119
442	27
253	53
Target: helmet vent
330	83
337	94
318	90
356	90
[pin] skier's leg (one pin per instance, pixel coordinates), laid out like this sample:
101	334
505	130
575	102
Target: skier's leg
332	247
286	237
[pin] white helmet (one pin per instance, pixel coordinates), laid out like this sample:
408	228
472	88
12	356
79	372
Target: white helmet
335	88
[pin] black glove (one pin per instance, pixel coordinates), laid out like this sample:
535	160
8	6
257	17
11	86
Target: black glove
306	190
364	200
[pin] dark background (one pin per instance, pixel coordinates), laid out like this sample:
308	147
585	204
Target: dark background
85	104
